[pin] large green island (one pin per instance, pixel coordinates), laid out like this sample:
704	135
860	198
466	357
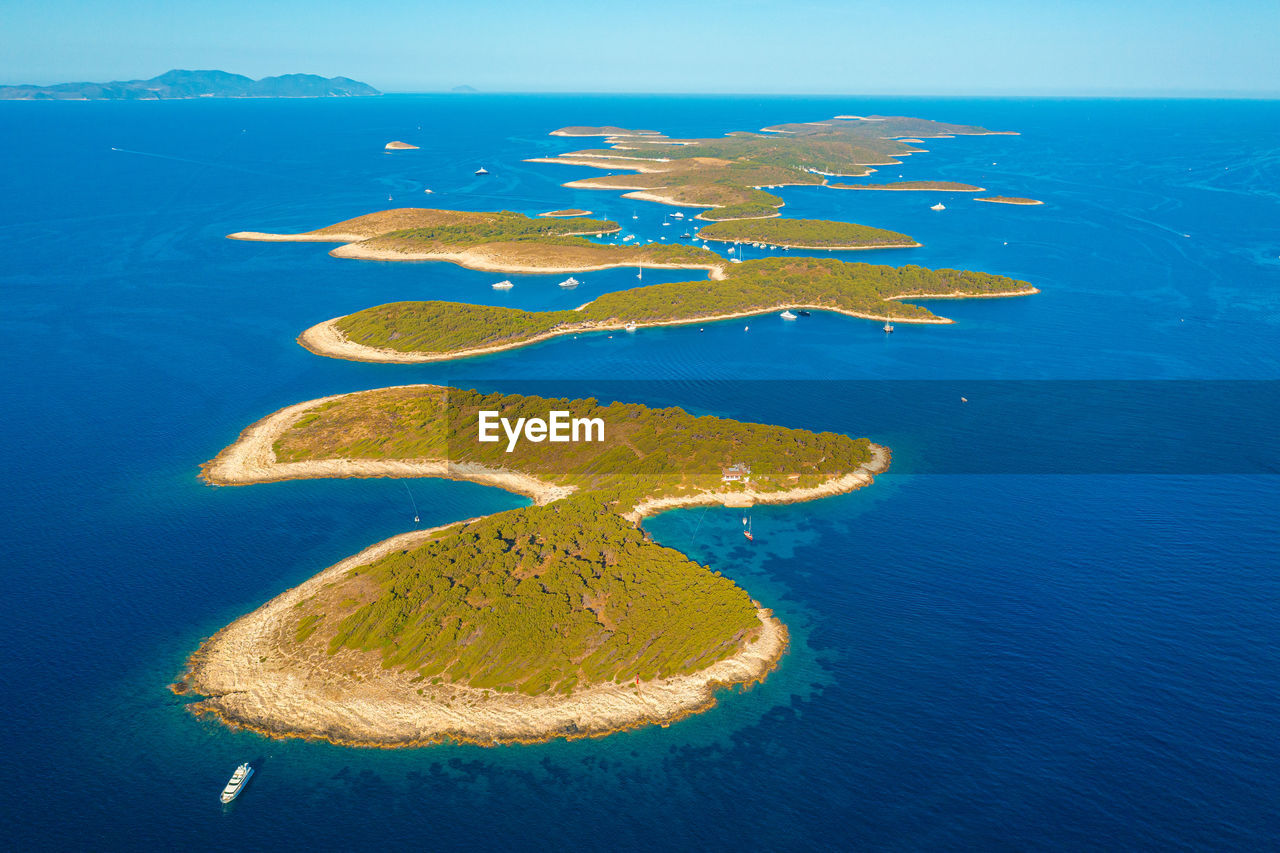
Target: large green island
409	332
562	619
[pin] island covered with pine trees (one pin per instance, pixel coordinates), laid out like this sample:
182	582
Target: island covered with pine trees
562	619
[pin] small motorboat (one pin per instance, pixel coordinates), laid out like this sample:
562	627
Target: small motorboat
482	171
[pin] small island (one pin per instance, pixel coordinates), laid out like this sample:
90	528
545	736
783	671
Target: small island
580	130
397	145
414	332
567	213
730	176
912	186
499	241
806	234
1001	199
561	620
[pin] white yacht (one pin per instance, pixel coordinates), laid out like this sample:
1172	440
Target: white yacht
482	171
503	285
237	783
630	327
787	315
570	282
939	206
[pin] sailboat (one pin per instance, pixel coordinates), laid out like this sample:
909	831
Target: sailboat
888	328
639	272
746	523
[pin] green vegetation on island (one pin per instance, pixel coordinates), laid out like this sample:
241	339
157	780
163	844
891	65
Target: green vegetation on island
553	597
806	234
750	287
536	600
645	452
732	173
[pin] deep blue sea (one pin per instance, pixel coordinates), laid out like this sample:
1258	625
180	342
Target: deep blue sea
1001	645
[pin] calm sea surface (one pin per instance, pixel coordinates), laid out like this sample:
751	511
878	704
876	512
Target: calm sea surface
1080	655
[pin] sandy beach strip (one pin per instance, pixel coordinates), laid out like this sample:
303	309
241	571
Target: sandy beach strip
304	237
475	259
630	165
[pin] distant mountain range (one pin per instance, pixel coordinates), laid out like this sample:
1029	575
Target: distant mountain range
195	84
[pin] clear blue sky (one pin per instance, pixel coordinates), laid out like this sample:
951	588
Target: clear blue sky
1085	47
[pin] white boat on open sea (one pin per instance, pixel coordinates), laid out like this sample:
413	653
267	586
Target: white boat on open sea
237	782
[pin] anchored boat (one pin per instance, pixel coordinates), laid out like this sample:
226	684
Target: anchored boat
237	783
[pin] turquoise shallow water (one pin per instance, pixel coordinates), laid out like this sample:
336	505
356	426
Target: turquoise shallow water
1062	654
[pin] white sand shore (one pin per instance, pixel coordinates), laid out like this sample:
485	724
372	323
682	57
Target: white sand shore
305	237
477	258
